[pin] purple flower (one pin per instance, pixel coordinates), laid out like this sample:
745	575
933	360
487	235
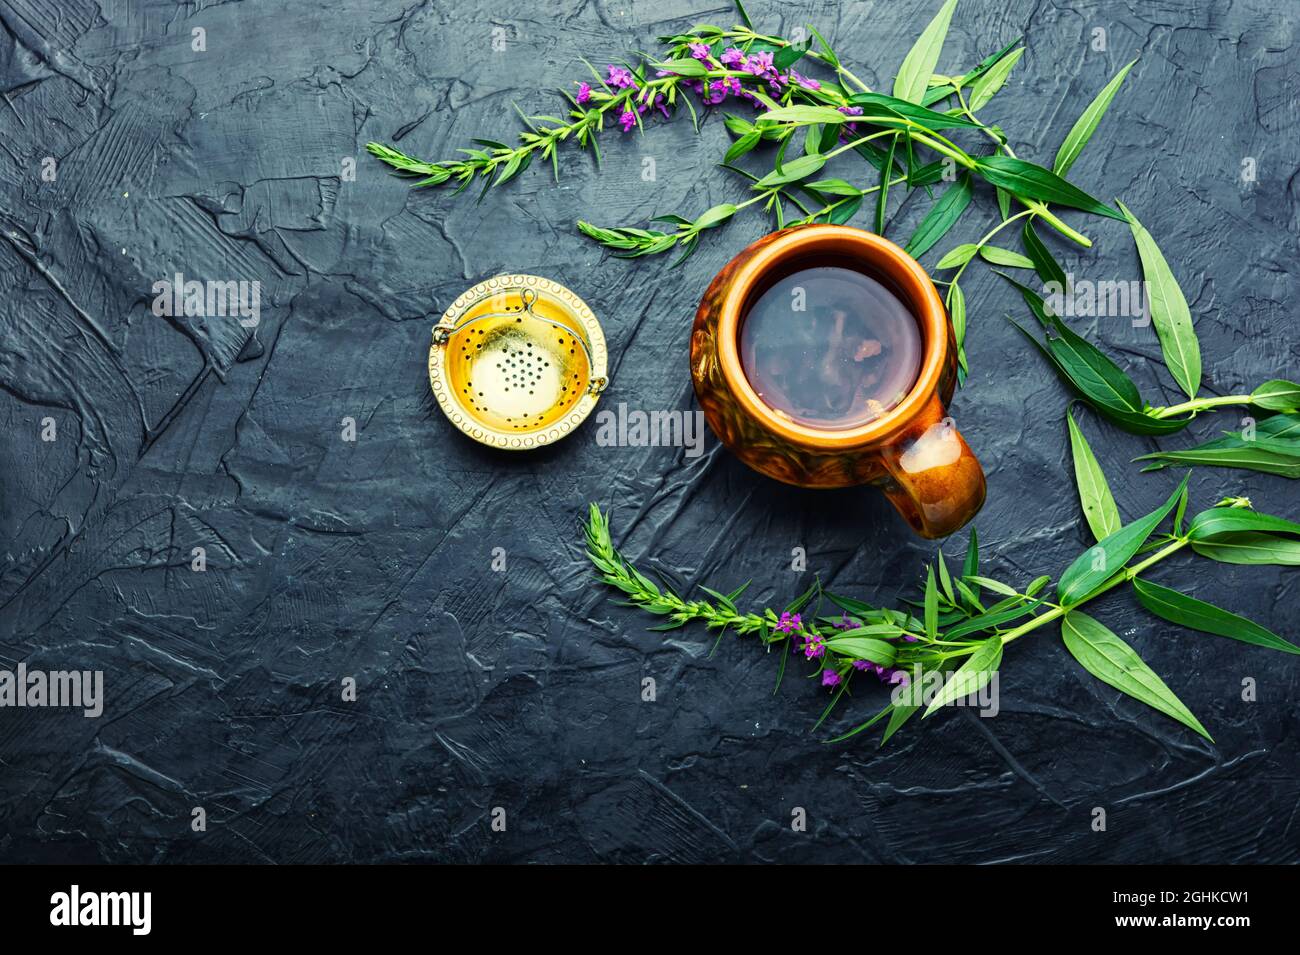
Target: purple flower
861	665
805	82
760	64
851	110
717	92
700	51
845	623
789	623
732	58
897	677
813	647
830	678
620	79
910	638
627	120
584	92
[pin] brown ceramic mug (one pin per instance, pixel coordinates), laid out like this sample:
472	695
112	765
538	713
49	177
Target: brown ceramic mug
912	451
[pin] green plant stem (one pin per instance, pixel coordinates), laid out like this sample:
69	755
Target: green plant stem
1122	576
1197	405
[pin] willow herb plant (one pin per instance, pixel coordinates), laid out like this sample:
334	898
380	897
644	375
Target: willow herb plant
966	620
804	123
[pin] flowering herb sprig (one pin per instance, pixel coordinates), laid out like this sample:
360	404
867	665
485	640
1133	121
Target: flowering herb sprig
967	619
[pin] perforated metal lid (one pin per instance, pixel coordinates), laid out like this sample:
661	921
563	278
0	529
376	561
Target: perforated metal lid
517	361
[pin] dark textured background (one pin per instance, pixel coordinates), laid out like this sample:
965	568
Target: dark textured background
522	689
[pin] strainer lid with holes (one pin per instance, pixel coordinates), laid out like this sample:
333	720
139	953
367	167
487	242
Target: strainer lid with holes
517	362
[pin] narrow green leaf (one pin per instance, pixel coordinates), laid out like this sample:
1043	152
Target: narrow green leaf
1250	548
945	212
944	91
914	75
802	114
931	605
685	67
1169	311
1000	256
834	187
945	580
863	648
1114	662
971	676
792	171
712	217
986	621
983	89
742	145
1099	507
1086	124
918	114
1030	181
1181	609
1048	269
958	256
1225	520
1095	565
882	197
957	313
1277	395
1247	458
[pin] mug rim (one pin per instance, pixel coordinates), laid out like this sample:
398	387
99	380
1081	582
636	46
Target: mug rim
927	309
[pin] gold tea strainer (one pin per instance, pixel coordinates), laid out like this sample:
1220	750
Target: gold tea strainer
518	361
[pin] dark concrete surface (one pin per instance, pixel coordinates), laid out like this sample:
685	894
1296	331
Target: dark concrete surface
372	559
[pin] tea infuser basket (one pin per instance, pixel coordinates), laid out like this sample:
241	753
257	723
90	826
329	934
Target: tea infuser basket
517	361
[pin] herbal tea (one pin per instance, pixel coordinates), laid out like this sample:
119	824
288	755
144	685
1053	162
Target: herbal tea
830	347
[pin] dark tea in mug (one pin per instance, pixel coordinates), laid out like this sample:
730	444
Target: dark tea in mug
830	346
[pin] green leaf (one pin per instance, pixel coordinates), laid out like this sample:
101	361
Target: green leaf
1000	256
834	187
743	145
802	115
1181	609
882	197
942	92
1169	311
1096	565
971	565
788	56
1030	181
931	605
1246	457
1114	662
686	67
712	217
1086	124
792	171
957	313
989	83
991	619
914	75
1250	548
1099	507
1225	520
971	676
994	585
918	114
1048	269
1277	395
942	216
945	580
863	648
958	256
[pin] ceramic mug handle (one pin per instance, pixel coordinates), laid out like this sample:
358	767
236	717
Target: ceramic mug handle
934	480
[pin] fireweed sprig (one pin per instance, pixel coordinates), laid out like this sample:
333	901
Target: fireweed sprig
961	637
